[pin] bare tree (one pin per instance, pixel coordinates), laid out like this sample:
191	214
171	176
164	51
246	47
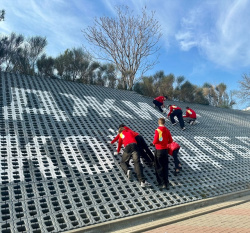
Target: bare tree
2	14
244	92
127	41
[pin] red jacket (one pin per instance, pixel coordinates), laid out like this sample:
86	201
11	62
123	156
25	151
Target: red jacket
160	99
172	108
125	137
127	128
190	113
173	146
162	138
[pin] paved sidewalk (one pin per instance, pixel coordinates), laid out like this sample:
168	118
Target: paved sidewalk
232	216
234	219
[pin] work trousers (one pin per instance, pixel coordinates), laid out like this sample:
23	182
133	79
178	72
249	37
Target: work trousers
145	152
175	157
178	114
189	119
131	150
161	166
158	104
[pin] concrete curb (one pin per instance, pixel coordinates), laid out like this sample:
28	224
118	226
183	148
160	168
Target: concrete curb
184	216
146	219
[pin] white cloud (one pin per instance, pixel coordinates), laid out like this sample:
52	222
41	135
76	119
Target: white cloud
219	30
186	40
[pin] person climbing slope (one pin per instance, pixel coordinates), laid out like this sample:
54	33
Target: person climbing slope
127	138
145	152
176	111
159	102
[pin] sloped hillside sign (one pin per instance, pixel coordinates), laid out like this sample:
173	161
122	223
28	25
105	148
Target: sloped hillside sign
58	172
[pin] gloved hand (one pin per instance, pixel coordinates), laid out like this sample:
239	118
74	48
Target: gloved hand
109	142
116	153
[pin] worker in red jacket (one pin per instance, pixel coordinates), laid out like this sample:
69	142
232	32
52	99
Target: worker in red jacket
118	135
159	102
162	138
173	149
190	116
176	111
127	138
145	152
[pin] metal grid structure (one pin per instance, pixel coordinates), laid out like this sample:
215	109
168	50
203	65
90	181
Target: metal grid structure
57	171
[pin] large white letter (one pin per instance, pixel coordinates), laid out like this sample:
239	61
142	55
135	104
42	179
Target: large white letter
227	155
245	140
81	106
241	150
74	154
15	157
144	110
19	100
104	109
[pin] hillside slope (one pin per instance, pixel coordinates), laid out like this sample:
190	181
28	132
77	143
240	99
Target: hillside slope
58	172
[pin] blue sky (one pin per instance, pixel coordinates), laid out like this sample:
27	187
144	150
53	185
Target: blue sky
206	41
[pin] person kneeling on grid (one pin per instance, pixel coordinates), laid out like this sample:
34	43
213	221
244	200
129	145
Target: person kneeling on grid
173	149
190	116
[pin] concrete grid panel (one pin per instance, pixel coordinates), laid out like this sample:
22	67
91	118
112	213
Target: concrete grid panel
57	171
